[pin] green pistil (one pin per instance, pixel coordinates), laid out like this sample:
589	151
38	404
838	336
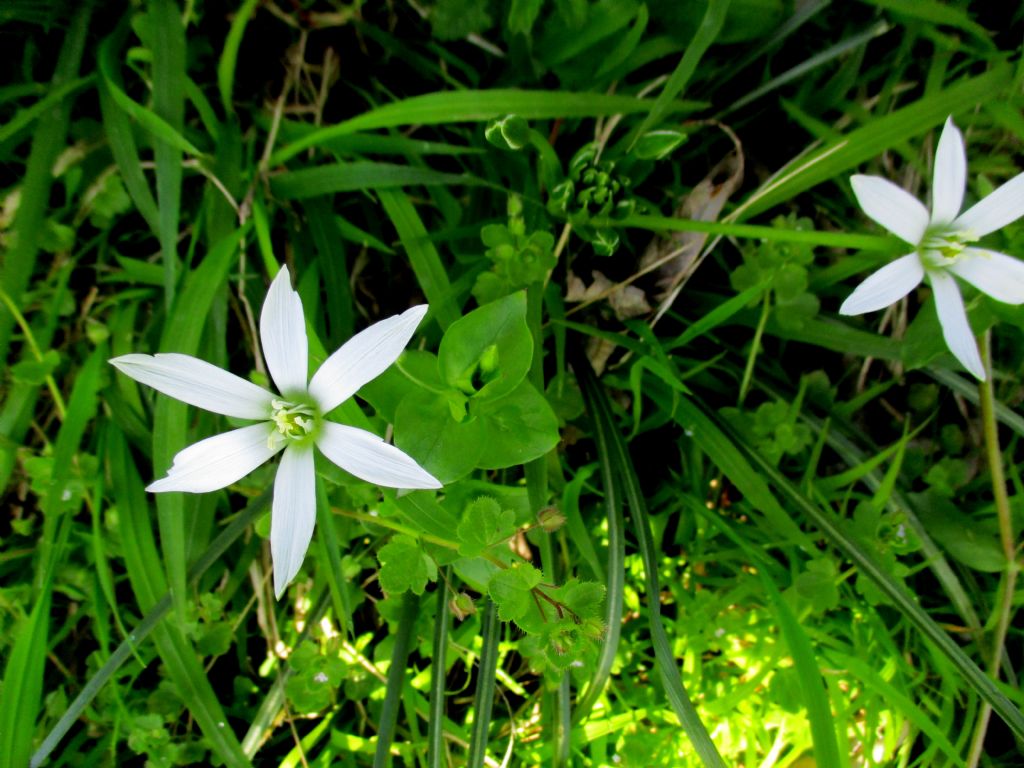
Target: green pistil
294	421
943	249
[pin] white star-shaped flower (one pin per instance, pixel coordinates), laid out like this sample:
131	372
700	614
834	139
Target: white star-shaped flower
292	421
942	245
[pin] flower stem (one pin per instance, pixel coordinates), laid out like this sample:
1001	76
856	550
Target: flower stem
30	340
755	347
1008	582
387	522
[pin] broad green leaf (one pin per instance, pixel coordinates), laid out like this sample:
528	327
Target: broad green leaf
518	428
487	353
404	566
484	524
425	429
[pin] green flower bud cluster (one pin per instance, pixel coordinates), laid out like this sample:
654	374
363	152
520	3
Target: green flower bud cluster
592	190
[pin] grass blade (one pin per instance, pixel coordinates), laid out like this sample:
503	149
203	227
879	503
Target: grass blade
866	143
707	31
396	680
149	585
426	262
117	457
229	56
349	177
615	583
483	697
21	695
169	105
597	405
153	123
20	259
471	106
812	686
861	556
438	677
123	147
181	334
52	100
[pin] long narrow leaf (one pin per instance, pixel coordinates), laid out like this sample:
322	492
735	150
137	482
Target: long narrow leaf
20	258
148	583
861	556
169	105
706	33
349	177
117	457
819	711
425	260
229	55
615	582
470	106
438	677
597	404
396	680
483	698
865	143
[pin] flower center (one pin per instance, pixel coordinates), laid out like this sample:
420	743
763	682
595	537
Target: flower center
293	421
940	250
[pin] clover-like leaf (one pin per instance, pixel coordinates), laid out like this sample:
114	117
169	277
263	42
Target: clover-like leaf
510	591
484	524
404	566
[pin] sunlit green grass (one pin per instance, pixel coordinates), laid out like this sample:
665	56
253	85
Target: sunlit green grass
790	514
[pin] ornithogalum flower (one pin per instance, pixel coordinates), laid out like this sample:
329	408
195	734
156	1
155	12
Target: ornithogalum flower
291	421
942	242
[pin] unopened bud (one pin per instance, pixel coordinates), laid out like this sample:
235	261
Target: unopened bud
461	606
550	519
489	360
511	132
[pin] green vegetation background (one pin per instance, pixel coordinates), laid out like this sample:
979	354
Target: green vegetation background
766	536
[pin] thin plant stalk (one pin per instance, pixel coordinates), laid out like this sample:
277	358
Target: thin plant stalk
1008	581
435	722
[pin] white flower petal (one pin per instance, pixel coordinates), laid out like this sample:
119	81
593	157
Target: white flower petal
886	286
949	177
363	358
997	210
283	334
953	319
198	383
293	515
894	208
369	458
218	461
994	273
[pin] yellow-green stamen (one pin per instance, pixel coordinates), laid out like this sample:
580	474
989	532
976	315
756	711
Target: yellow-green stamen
293	421
943	249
